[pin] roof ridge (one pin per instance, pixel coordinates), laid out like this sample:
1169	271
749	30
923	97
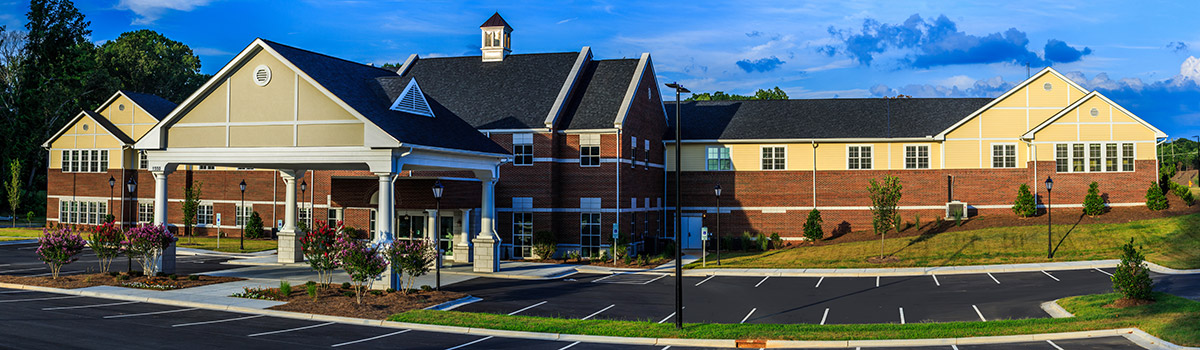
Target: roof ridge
325	55
510	55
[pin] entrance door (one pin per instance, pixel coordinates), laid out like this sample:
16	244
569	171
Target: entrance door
691	232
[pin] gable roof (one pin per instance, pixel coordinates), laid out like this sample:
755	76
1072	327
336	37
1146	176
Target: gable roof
599	94
100	120
517	93
850	118
157	107
1029	134
1018	87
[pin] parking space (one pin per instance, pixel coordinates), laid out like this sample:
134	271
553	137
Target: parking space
22	260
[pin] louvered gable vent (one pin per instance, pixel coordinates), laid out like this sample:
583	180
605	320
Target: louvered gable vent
412	100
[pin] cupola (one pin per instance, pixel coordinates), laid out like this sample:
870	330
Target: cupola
496	42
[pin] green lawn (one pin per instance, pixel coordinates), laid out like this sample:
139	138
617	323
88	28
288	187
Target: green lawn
1172	318
17	234
228	245
1173	242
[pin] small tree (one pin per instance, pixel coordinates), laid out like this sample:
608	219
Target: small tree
106	242
146	244
254	226
543	244
885	201
1188	198
1025	205
1093	204
812	226
320	246
14	189
191	204
362	261
409	259
58	248
1155	200
1132	279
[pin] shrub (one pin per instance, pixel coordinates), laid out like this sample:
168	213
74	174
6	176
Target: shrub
426	287
776	241
58	248
1155	200
123	278
917	221
285	289
135	274
193	277
106	243
391	290
409	259
319	246
377	293
363	261
764	244
1025	206
113	273
312	290
146	244
1188	198
29	217
812	226
621	247
1093	204
254	226
349	294
173	277
574	254
1132	279
544	245
345	285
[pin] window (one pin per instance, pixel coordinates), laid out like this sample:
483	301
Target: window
206	167
85	161
523	235
774	158
1077	157
916	157
1107	157
371	222
1004	156
241	214
1110	157
204	215
1062	159
304	214
633	151
717	158
522	149
143	161
589	226
1094	157
1127	157
88	213
858	157
410	227
589	150
334	215
647	142
145	212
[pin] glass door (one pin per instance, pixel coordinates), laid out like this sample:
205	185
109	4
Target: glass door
446	228
522	235
410	227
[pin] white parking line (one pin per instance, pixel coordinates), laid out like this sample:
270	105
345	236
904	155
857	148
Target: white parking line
876	281
953	347
1051	276
748	315
667	318
370	339
939	284
760	282
655	279
151	313
22	270
1103	272
598	312
568	346
979	313
825	316
819	282
217	321
901	315
291	329
665	347
604	278
526	308
993	278
86	306
471	342
705	280
1053	344
37	299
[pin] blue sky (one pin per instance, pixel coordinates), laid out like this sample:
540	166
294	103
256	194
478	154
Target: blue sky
1137	52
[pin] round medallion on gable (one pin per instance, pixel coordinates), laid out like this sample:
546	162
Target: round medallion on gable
1047	86
85	127
1095	112
121	107
262	75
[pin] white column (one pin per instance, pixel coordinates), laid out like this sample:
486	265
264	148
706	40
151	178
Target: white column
290	250
167	263
462	247
385	213
487	243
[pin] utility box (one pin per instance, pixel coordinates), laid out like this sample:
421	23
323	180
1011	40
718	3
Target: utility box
956	209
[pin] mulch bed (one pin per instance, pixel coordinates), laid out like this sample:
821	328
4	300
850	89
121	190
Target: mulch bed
333	301
1124	303
654	262
103	279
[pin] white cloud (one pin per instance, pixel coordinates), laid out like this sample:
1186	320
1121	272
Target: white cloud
151	10
1190	68
958	81
209	51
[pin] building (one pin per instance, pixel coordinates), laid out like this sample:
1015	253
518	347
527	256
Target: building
563	143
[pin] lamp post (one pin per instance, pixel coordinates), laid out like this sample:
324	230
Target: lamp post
131	186
437	232
242	211
678	218
111	183
717	190
303	189
1049	222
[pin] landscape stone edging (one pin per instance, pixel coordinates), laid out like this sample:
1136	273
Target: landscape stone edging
1138	336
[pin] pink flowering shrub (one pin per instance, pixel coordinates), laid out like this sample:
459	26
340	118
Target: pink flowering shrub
106	242
411	259
319	246
362	261
58	248
146	243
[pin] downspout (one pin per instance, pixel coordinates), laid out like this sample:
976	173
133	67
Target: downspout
275	199
620	147
814	175
122	183
1033	156
1157	162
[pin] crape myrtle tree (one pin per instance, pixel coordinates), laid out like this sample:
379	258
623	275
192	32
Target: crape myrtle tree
59	247
146	244
364	262
106	242
320	247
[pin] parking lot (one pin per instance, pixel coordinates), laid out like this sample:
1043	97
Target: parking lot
22	260
38	320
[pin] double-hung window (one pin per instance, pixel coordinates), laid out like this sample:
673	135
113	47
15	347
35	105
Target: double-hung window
916	157
774	158
589	150
633	147
1110	157
1004	156
204	215
1078	156
145	212
84	160
1127	157
143	161
1062	158
858	157
522	149
242	214
1094	157
717	158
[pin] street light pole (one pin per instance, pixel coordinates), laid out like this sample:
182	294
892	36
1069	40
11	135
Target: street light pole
717	189
437	232
678	217
108	207
242	213
131	186
1049	221
303	189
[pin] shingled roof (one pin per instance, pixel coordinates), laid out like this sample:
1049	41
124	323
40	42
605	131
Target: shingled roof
820	118
598	94
158	107
357	85
495	21
516	93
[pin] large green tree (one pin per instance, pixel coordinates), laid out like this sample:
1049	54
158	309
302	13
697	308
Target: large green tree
762	94
147	62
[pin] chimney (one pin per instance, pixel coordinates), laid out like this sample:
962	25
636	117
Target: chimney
496	42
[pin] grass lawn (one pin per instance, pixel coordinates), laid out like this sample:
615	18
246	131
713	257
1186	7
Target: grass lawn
1173	242
229	245
1172	318
17	234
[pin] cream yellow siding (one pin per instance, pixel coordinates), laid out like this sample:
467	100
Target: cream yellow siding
829	156
95	137
205	136
962	154
260	136
1007	123
314	105
128	117
743	156
331	135
271	103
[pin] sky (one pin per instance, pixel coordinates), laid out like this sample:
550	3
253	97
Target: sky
1142	54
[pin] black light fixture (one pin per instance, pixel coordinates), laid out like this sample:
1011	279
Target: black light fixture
717	190
241	212
111	184
437	232
131	185
303	189
678	218
1049	221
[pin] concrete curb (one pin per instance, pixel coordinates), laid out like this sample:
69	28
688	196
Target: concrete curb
1055	310
1134	334
892	272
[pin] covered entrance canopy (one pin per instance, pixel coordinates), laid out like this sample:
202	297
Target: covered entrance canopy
279	107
